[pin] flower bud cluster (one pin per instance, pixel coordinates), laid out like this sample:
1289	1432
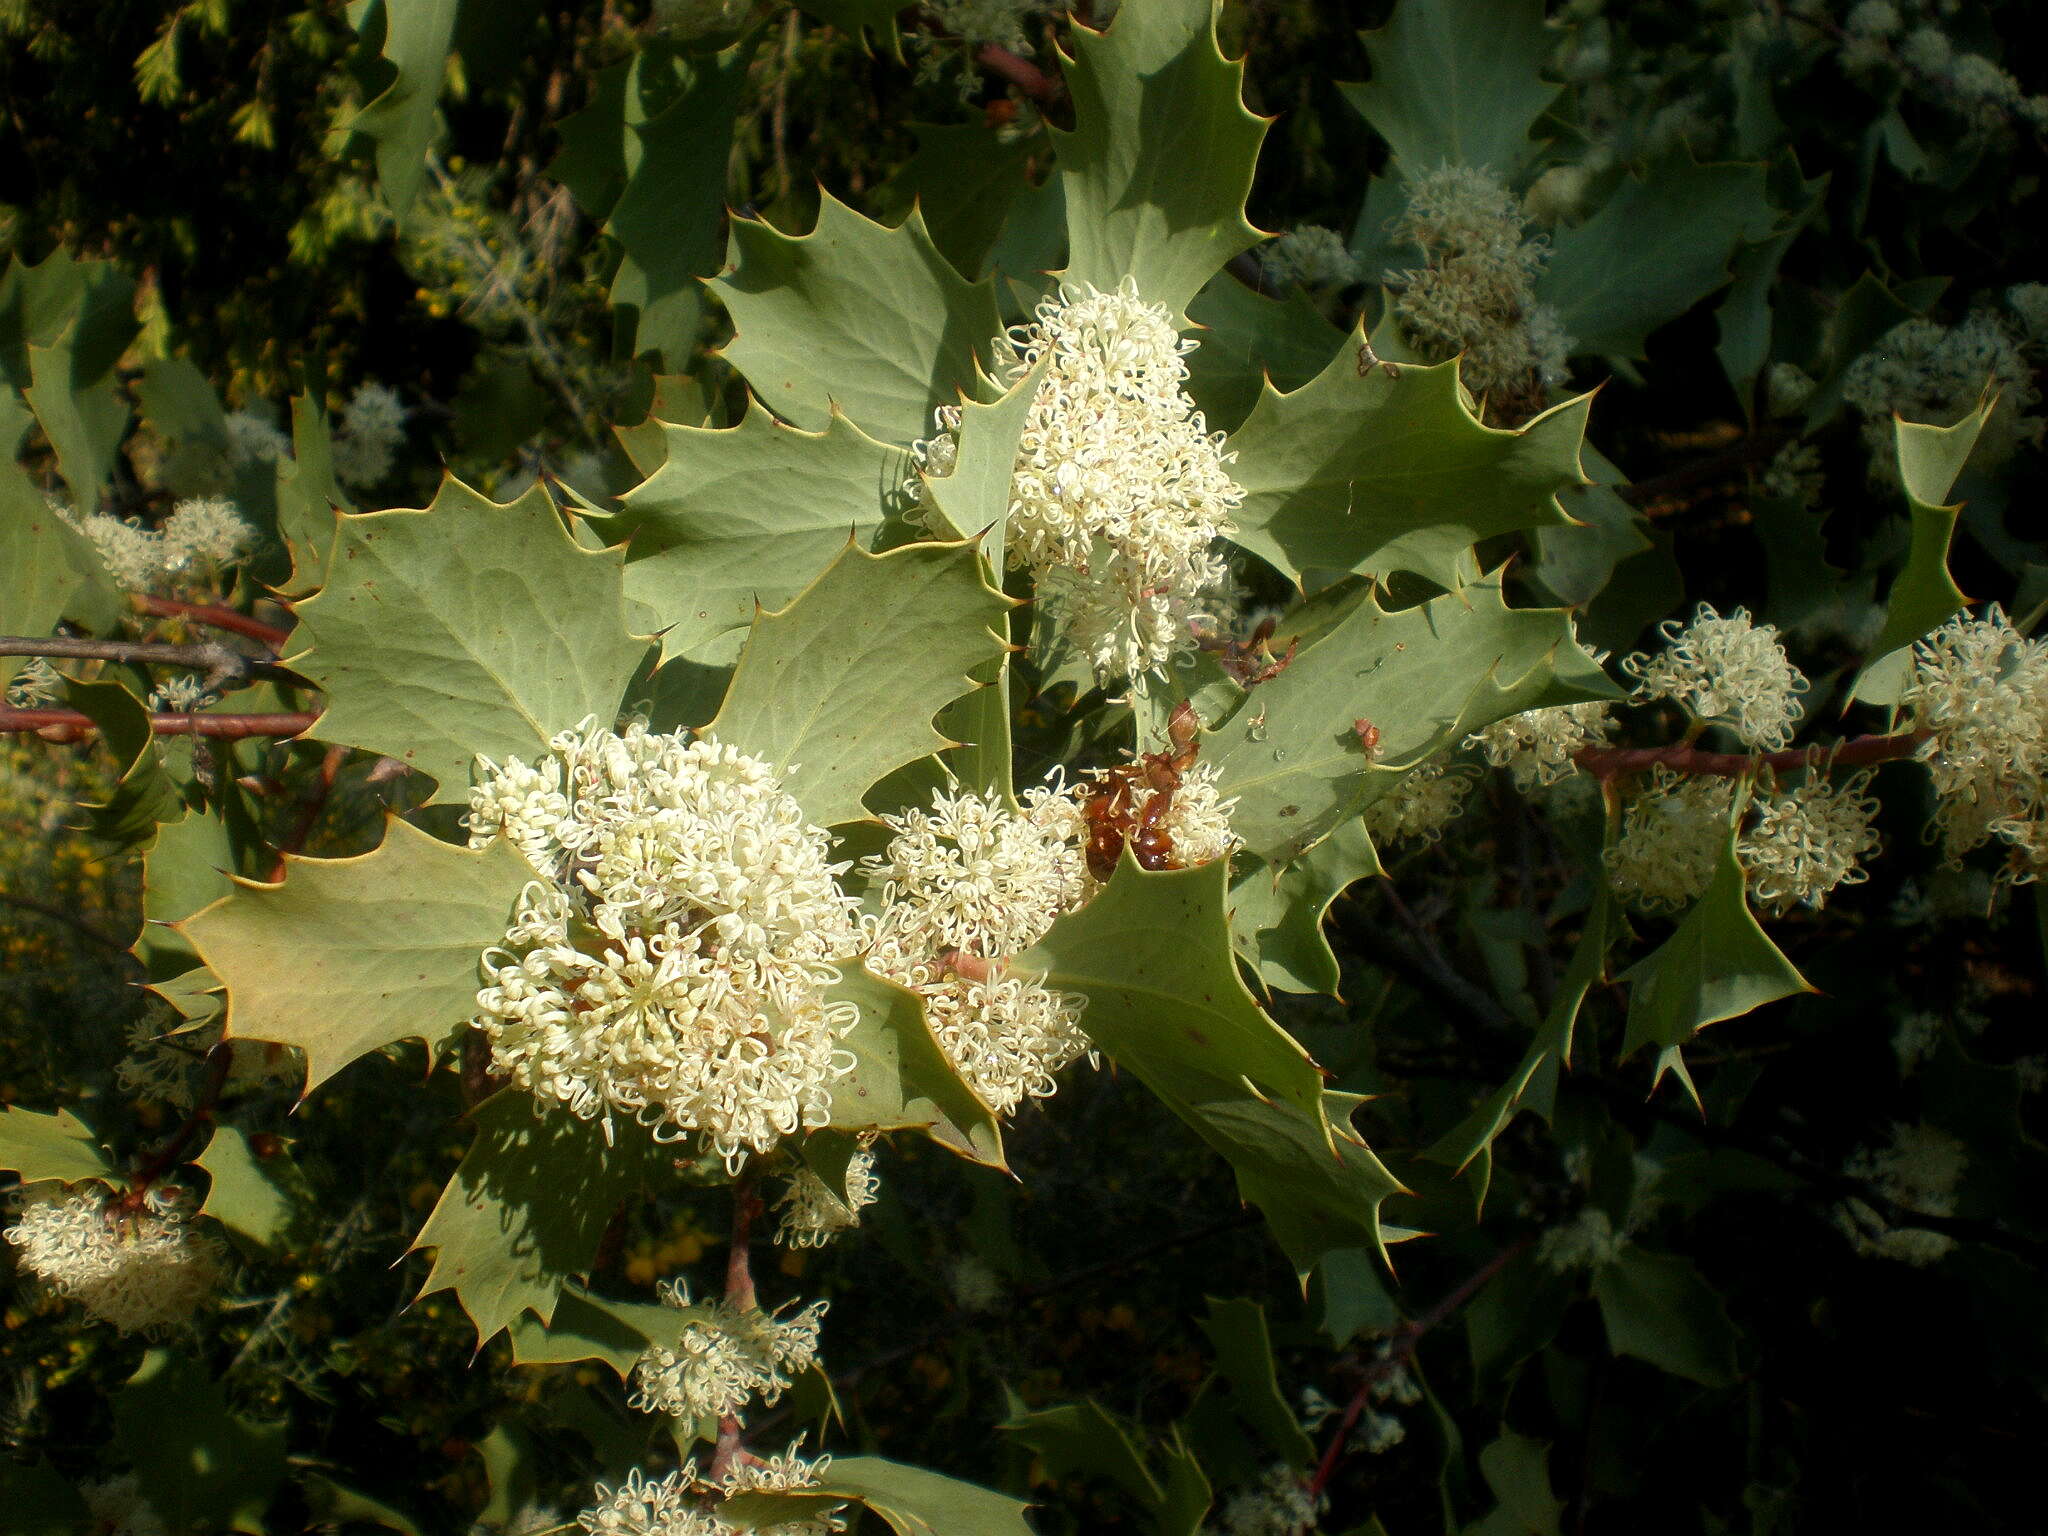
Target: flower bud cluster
1980	689
1725	671
1311	256
1475	293
1419	806
139	1270
671	960
725	1358
813	1213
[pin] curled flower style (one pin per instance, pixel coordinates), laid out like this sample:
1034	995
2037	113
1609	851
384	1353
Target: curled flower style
813	1213
671	960
725	1358
139	1270
36	683
1920	1172
205	534
1725	670
1536	746
1805	843
1670	838
1120	491
642	1507
775	1474
1419	806
1980	689
1475	294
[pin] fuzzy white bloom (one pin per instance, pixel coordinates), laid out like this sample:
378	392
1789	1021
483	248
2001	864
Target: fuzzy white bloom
640	1507
1670	839
1313	256
1419	806
671	961
1725	670
1475	294
1794	474
1919	1171
1928	50
116	1507
1120	491
35	684
205	534
813	1213
253	439
180	694
132	554
787	1473
1980	688
367	439
1788	388
981	22
725	1358
1873	18
1922	371
1558	195
1587	1241
1805	843
976	1287
139	1270
1279	1506
1536	746
1916	1039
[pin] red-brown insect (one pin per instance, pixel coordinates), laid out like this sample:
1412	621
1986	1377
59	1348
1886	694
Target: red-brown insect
1250	661
1368	737
1109	812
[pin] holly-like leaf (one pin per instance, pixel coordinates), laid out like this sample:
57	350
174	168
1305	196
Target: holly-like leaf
1658	1307
401	118
309	497
1516	1469
1457	81
910	1501
525	1212
465	628
44	565
255	1198
347	956
1159	162
1084	1440
1151	955
37	1146
144	794
203	1465
965	176
871	320
1248	338
1247	1382
1380	473
1424	676
1719	964
901	1079
1277	911
1924	594
740	519
1656	247
839	688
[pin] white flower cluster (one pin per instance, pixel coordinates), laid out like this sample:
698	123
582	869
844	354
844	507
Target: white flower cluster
1587	1241
201	538
1120	490
1311	256
1420	805
1281	1505
675	1507
1805	843
37	683
1727	671
965	886
145	1269
1980	688
1922	371
1670	838
1877	39
180	694
981	22
671	961
1536	746
1920	1172
725	1358
1475	294
813	1213
254	439
367	439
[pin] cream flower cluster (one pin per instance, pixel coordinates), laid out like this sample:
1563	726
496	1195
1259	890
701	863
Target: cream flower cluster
671	961
1980	688
1670	839
1919	1171
965	886
37	683
1419	806
725	1358
199	538
813	1213
1804	844
1280	1505
1120	491
1536	746
1727	671
1587	1241
1475	294
674	1507
1928	372
145	1269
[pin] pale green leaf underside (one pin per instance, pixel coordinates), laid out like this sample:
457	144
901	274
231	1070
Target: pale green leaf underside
1379	473
901	1078
58	1146
347	956
243	1195
1457	82
839	688
746	517
466	628
1276	912
854	315
1159	162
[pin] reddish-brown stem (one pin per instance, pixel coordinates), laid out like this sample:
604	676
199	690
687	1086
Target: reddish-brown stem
1401	1346
739	1292
309	810
70	725
1022	73
213	616
167	1157
1613	762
